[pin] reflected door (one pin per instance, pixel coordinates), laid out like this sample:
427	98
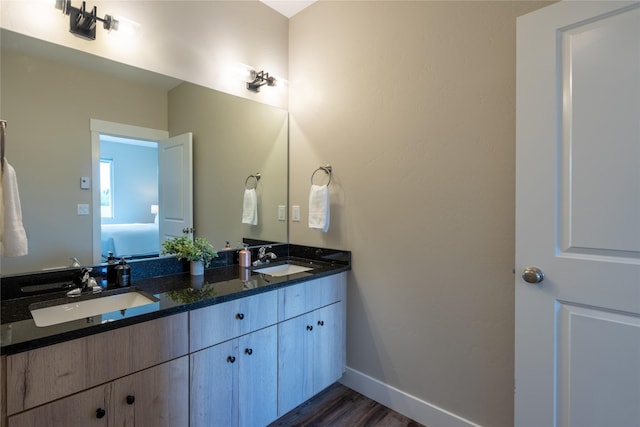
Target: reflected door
175	166
577	351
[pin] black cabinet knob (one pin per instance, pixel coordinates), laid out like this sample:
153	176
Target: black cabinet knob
231	359
100	413
240	316
248	351
320	322
309	328
131	399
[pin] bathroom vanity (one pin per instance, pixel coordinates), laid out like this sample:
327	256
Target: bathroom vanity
226	349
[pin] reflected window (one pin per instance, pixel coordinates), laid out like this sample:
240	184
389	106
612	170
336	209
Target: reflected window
106	188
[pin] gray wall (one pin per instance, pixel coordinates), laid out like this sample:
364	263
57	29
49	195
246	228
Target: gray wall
413	104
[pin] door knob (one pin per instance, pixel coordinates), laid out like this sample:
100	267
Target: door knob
532	275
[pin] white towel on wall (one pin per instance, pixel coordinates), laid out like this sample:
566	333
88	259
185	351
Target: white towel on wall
13	238
319	207
250	207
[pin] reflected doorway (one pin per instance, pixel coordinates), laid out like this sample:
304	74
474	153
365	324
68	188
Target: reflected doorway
128	197
101	129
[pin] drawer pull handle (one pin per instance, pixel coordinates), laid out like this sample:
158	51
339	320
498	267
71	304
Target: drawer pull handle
320	322
231	359
248	351
240	316
100	413
130	399
309	328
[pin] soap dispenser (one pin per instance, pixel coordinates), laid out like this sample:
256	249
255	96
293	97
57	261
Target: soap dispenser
244	256
123	274
111	269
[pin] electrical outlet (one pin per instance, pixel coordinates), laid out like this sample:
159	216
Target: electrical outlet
295	213
282	213
83	209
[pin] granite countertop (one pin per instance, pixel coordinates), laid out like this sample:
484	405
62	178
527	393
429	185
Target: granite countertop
175	293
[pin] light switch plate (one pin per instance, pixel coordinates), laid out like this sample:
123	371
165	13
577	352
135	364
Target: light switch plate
282	213
83	209
295	213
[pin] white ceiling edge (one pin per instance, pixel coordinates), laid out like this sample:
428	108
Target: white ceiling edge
288	8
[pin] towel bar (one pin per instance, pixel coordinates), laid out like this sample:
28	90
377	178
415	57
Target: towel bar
327	169
256	177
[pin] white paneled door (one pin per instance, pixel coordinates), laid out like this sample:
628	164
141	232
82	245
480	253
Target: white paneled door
175	186
577	351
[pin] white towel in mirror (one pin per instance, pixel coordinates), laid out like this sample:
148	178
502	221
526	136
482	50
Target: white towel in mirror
13	238
250	207
319	207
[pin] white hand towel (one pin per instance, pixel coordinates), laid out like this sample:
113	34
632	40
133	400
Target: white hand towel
13	238
250	207
319	207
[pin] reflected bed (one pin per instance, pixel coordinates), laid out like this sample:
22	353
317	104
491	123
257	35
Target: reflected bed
130	240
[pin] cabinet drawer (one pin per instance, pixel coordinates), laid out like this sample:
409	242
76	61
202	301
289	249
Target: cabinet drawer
79	410
308	296
44	374
159	340
222	322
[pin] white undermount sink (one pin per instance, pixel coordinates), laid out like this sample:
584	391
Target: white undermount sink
282	270
74	310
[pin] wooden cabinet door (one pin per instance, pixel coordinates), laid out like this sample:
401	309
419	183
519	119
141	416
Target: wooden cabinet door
155	397
258	377
295	384
328	347
214	385
311	355
91	408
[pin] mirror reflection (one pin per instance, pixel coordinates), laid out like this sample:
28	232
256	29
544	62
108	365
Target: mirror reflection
50	96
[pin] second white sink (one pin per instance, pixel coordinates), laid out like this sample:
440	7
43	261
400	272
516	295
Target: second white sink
74	310
282	270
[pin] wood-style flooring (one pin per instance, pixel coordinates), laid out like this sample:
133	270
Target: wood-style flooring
339	406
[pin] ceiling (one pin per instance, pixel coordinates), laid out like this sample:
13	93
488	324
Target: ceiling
288	8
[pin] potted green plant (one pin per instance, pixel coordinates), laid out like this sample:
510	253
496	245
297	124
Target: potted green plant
198	251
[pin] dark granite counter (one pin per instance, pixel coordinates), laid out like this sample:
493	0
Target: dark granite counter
175	293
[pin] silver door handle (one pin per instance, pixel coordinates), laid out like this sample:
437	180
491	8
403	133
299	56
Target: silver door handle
532	275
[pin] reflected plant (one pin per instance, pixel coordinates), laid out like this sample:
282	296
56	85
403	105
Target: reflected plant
190	295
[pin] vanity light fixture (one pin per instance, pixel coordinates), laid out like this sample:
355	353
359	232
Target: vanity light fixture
83	23
259	79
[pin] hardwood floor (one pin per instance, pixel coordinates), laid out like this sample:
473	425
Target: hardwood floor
339	406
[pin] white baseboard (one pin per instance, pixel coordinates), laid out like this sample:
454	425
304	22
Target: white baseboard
409	406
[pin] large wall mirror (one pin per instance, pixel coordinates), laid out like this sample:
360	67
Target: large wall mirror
51	95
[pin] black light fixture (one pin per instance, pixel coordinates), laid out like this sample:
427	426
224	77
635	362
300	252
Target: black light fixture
260	79
83	23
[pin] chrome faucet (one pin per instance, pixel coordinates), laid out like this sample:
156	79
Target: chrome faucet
84	283
264	257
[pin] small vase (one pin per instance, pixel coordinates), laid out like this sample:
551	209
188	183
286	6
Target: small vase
197	268
197	282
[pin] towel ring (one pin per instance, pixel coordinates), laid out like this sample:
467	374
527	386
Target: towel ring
327	169
246	181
